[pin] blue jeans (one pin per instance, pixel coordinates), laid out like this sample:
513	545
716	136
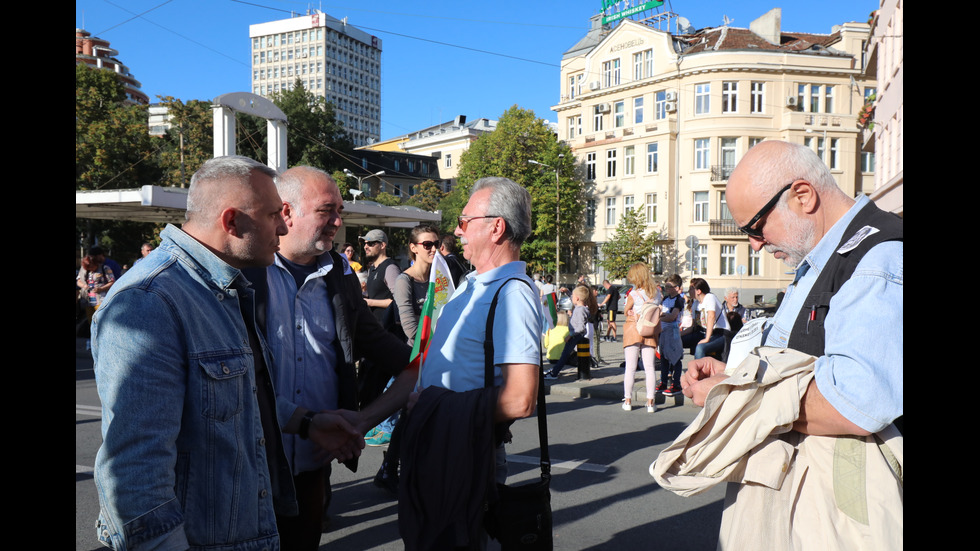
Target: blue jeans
716	344
571	346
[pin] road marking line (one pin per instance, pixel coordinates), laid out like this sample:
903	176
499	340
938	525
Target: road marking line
568	465
84	469
88	410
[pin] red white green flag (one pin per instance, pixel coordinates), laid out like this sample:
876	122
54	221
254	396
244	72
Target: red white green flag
441	287
552	306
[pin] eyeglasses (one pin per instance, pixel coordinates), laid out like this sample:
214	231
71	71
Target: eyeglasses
428	244
757	232
464	221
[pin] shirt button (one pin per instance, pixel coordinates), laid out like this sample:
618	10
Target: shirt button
224	369
262	442
263	492
219	296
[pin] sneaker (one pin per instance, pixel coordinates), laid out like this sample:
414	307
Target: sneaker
550	377
627	406
661	387
371	432
379	439
672	390
651	408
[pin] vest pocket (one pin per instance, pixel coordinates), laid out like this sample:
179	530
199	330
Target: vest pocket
224	384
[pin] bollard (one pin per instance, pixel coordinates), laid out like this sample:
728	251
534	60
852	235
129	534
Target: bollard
584	360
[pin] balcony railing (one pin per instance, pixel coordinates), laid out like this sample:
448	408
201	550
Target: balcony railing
723	226
720	173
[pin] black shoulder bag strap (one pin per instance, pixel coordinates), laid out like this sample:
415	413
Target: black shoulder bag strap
488	381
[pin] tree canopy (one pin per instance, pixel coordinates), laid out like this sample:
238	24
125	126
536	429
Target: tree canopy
314	137
521	137
628	245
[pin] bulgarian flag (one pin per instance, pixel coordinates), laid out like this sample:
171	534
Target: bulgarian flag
551	303
441	287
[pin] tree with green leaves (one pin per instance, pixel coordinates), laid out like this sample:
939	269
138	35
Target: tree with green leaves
427	196
314	137
190	140
113	150
521	137
629	245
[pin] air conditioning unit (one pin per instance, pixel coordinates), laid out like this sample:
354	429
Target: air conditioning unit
594	85
791	101
603	107
670	107
670	95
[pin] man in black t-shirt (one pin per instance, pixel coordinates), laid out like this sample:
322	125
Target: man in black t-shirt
611	302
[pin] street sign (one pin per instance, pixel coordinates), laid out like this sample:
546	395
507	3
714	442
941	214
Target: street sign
691	241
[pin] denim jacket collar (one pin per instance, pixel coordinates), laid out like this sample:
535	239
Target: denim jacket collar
200	259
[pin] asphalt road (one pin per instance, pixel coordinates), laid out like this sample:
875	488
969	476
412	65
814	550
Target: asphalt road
602	495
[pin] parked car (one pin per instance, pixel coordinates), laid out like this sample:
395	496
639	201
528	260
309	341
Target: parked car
623	291
764	309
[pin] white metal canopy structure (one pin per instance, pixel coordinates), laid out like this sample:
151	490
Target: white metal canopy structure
167	205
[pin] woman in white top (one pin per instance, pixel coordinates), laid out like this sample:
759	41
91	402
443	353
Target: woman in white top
712	319
635	346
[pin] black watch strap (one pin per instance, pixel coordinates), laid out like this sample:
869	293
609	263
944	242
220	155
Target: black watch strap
304	425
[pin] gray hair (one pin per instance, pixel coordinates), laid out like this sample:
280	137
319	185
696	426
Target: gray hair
730	290
796	162
232	170
290	184
510	201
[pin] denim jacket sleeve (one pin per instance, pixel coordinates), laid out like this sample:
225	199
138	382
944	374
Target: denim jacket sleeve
141	386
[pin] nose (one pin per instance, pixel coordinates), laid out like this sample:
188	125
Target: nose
756	243
458	232
281	228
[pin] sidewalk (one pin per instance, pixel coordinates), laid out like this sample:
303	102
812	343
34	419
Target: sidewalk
607	380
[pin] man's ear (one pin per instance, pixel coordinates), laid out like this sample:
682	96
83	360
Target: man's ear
806	196
287	213
229	222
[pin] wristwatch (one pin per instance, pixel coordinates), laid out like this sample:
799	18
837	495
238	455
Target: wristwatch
304	425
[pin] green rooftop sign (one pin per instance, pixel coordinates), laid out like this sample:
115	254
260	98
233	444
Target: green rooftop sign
613	10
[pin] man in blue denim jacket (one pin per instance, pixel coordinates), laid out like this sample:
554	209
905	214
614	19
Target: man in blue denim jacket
192	454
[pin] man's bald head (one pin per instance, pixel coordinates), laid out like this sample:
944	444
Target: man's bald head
772	164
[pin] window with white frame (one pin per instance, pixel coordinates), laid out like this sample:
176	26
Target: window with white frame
834	160
619	114
723	211
828	99
638	66
650	202
701	268
754	142
729	148
610	73
629	160
728	260
660	105
702	152
648	63
571	128
449	160
867	162
590	162
610	163
590	213
571	87
758	97
597	117
702	99
610	211
755	262
628	204
729	96
638	110
652	158
700	206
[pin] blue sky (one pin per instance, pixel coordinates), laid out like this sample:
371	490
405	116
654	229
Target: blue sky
434	64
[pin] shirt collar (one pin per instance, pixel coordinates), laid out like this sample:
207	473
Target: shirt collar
820	255
202	260
324	264
498	273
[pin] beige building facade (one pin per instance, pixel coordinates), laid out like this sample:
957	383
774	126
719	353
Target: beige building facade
886	139
658	121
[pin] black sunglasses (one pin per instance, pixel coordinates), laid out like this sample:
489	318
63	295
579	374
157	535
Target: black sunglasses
428	244
757	232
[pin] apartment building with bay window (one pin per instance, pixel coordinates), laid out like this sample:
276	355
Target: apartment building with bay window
658	120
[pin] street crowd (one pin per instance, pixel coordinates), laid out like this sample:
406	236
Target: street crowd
243	358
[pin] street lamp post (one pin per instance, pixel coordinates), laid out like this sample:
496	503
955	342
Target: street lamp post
557	215
361	179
